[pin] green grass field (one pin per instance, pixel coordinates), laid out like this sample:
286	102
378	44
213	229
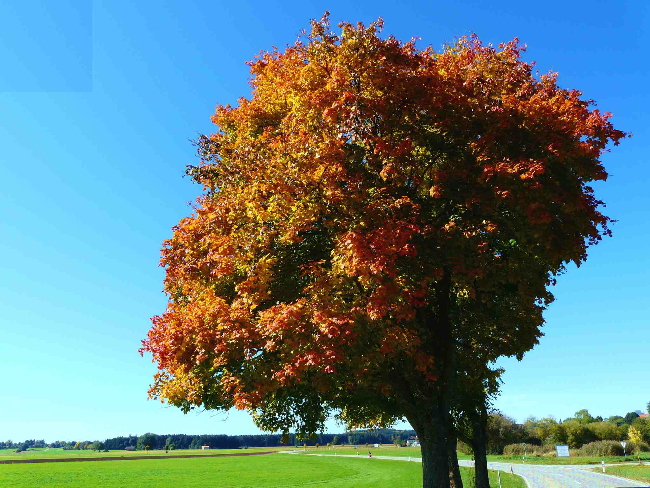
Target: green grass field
634	472
268	471
11	454
384	450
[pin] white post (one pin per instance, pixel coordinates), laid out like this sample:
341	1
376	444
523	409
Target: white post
499	476
603	464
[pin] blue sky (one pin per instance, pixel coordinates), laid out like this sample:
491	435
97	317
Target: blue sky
100	101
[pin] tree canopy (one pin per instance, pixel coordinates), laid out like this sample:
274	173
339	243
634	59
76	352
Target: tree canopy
378	224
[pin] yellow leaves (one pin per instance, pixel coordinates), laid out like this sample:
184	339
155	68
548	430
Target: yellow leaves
635	435
450	227
387	171
318	173
255	211
255	288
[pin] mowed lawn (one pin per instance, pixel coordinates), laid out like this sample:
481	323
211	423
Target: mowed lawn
634	472
11	454
273	470
383	450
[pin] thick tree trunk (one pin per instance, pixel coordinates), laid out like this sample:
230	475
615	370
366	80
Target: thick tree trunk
479	438
455	480
431	416
433	444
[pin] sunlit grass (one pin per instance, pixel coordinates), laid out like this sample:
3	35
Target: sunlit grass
640	473
274	470
56	453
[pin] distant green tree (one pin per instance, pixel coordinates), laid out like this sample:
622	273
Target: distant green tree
147	439
545	429
530	426
558	434
630	416
647	407
616	419
605	431
584	417
336	440
500	432
578	434
168	443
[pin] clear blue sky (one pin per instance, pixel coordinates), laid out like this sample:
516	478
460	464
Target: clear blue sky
99	101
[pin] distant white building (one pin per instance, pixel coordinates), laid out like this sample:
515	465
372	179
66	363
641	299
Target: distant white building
205	447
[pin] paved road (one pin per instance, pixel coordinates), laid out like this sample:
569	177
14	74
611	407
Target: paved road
553	476
543	476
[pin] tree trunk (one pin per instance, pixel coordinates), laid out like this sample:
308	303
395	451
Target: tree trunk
431	419
433	444
455	480
479	437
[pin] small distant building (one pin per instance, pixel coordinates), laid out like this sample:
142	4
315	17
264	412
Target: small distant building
644	416
129	448
205	447
413	442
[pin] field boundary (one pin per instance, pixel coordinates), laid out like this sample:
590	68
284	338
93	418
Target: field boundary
128	458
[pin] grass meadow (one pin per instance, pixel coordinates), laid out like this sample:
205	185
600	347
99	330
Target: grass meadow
633	472
265	471
11	454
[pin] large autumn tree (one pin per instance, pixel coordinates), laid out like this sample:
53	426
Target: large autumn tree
378	223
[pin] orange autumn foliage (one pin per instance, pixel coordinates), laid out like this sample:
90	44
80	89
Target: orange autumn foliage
367	192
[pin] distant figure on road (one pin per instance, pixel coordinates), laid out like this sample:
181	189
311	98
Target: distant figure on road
369	454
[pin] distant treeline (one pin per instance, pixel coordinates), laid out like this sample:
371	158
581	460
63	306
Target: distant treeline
217	441
222	441
581	430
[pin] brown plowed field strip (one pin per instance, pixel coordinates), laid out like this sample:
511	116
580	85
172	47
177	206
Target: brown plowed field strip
127	458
